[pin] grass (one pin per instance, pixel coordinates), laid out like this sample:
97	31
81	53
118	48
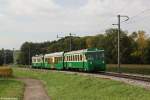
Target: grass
61	86
10	88
129	68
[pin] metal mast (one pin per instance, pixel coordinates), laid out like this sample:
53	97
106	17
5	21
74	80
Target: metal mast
119	17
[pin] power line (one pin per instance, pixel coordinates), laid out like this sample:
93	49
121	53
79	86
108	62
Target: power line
124	7
107	20
70	41
136	16
134	20
140	13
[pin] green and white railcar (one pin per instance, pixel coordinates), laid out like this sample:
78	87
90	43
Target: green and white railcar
54	60
86	60
37	61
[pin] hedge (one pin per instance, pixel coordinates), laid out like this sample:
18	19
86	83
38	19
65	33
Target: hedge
5	72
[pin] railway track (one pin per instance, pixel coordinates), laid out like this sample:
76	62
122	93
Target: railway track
119	75
132	79
128	76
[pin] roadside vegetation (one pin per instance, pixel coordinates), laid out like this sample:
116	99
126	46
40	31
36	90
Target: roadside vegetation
6	72
10	88
61	86
134	47
130	68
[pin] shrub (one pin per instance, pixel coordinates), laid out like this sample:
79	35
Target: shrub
5	72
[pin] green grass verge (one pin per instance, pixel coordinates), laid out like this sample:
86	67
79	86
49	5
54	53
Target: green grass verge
129	68
10	88
61	86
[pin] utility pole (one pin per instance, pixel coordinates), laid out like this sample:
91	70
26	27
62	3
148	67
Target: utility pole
119	43
70	41
13	56
59	37
119	17
29	56
4	57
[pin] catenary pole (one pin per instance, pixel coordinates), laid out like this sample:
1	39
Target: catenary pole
4	57
29	56
119	43
13	56
70	40
119	22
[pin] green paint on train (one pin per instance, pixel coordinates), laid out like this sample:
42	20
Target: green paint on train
85	60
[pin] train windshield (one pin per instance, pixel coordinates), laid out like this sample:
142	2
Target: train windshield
95	56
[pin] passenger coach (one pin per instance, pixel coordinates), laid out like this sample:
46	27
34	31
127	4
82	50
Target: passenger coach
85	60
37	61
54	60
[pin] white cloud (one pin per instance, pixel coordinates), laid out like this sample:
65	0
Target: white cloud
33	16
31	7
39	13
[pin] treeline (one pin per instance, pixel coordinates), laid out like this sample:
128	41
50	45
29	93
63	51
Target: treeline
135	47
6	56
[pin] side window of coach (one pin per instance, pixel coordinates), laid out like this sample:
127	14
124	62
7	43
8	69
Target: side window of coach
81	57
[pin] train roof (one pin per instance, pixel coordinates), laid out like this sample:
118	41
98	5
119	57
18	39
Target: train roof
85	50
56	54
37	56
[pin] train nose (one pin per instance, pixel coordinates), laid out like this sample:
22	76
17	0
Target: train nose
99	65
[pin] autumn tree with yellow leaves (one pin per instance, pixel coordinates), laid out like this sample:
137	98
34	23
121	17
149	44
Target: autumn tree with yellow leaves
140	38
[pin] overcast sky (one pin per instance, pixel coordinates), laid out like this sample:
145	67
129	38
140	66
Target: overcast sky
42	20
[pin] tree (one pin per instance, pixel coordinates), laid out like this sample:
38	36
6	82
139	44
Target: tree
111	44
7	55
134	48
140	39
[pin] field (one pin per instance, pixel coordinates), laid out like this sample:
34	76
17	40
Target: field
126	68
10	88
61	86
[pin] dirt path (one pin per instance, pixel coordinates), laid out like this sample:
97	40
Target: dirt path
34	90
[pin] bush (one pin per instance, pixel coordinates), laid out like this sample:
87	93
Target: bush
5	72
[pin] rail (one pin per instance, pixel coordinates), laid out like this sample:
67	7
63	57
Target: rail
120	75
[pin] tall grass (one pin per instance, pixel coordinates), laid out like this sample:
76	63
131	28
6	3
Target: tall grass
61	86
6	72
130	68
10	88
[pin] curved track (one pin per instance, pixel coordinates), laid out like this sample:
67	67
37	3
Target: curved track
128	76
114	74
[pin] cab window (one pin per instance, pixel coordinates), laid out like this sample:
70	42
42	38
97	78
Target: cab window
95	56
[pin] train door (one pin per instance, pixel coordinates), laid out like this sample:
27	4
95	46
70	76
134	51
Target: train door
53	63
81	59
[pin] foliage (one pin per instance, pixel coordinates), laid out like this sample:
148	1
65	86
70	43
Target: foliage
130	68
7	55
141	41
6	72
134	47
